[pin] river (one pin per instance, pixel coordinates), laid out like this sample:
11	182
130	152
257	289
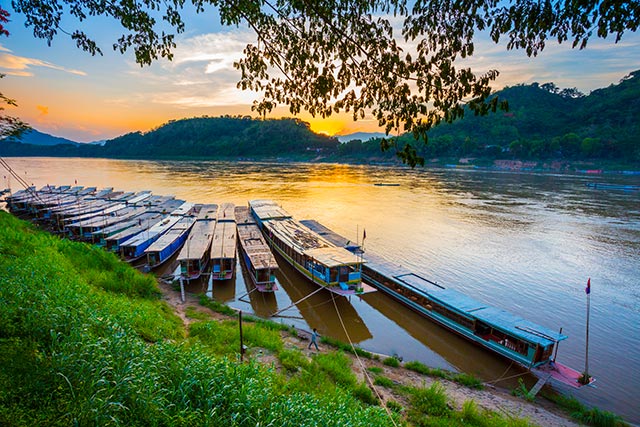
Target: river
524	242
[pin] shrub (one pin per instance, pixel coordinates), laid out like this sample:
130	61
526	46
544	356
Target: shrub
292	360
391	361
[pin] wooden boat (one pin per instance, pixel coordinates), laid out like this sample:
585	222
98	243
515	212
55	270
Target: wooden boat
133	248
517	339
260	262
194	256
169	243
323	263
223	246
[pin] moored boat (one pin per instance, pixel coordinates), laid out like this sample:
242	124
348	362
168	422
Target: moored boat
260	262
517	339
320	261
223	246
169	243
194	256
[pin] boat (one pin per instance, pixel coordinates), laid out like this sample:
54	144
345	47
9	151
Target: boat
260	262
386	184
169	243
223	246
320	261
133	248
506	334
194	256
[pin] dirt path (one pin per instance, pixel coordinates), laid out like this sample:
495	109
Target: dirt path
541	413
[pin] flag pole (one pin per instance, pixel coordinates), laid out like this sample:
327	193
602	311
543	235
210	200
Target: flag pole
585	376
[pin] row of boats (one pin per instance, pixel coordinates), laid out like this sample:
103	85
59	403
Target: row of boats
141	225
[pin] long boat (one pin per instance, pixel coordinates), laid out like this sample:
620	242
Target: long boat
258	258
169	243
223	247
320	261
133	248
194	256
517	339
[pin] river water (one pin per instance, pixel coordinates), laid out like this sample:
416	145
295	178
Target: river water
524	242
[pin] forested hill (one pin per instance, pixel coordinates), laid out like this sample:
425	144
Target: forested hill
222	137
204	137
546	122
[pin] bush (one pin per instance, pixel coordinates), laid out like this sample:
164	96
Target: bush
391	361
293	360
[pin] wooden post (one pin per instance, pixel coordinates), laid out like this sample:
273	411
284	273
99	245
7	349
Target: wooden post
182	289
557	345
241	343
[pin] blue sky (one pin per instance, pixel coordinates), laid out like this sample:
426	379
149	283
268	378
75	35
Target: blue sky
66	92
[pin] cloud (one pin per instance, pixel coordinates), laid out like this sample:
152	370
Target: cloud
21	66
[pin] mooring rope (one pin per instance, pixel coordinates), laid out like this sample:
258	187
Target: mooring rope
300	300
364	370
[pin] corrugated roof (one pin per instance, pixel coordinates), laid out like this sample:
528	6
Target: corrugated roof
199	240
333	256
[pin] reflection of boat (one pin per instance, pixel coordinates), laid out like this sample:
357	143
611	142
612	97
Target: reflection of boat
260	262
223	247
169	243
323	263
504	333
318	309
194	256
607	186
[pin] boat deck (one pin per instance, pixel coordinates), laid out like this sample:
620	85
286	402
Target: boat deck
253	242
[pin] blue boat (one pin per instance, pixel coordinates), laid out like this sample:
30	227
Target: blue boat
223	246
169	243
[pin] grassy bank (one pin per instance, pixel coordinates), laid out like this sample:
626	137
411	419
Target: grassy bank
86	340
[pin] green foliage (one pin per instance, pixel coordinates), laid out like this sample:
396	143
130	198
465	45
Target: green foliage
223	338
346	347
391	361
216	306
468	380
338	366
192	313
384	382
431	401
522	391
394	406
293	360
465	379
71	353
363	393
375	369
590	416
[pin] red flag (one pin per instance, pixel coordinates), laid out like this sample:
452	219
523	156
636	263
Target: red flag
588	288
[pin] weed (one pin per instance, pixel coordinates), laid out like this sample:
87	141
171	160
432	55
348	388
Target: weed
384	382
391	361
375	369
292	360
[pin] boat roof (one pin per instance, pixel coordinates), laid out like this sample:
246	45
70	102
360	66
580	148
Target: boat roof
255	246
330	235
198	241
268	209
177	230
243	216
206	212
183	209
333	256
226	213
224	240
158	228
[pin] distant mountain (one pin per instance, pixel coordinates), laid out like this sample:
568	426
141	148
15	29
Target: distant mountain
36	137
362	136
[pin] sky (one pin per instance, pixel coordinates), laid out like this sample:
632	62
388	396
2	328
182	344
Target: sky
66	92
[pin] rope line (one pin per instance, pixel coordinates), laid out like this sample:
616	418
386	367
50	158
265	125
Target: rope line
364	370
300	300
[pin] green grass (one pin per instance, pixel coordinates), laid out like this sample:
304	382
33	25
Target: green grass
465	379
293	360
216	306
77	347
346	347
375	369
391	361
192	313
588	416
384	382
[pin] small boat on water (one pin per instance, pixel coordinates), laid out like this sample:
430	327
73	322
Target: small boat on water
133	248
194	256
320	261
223	246
260	262
524	342
169	243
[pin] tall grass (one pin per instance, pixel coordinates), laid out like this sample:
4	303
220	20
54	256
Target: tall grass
79	348
465	379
